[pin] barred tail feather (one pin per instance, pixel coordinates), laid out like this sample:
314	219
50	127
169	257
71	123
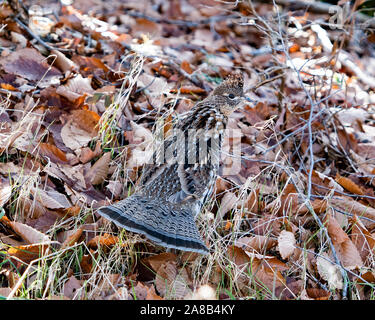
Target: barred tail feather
160	221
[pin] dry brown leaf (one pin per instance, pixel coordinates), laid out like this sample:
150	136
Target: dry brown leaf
77	85
329	272
52	152
228	202
5	193
30	64
268	276
63	63
362	238
86	264
189	90
151	294
286	244
354	207
27	233
257	243
349	185
51	198
156	261
71	287
72	236
314	294
80	128
104	240
185	65
98	172
27	253
87	154
74	137
172	283
4	292
345	249
115	187
238	256
145	26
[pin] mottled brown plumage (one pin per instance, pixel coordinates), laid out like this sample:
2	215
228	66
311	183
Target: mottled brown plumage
172	192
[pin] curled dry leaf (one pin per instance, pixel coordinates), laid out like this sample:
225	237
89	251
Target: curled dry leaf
51	198
63	63
104	240
5	193
286	244
51	152
354	207
362	238
72	236
172	283
349	185
345	249
98	172
257	243
27	233
314	294
329	272
156	261
228	202
80	128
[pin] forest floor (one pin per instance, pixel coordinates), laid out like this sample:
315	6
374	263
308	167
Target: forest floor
82	87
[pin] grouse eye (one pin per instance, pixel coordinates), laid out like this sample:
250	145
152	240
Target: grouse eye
231	96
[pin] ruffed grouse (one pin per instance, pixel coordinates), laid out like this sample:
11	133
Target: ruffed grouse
171	193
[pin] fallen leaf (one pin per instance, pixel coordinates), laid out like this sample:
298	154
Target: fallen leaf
314	294
329	272
51	152
349	185
362	238
156	261
28	253
27	233
345	249
30	64
104	240
172	283
72	288
5	193
257	243
98	172
286	244
50	198
72	236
